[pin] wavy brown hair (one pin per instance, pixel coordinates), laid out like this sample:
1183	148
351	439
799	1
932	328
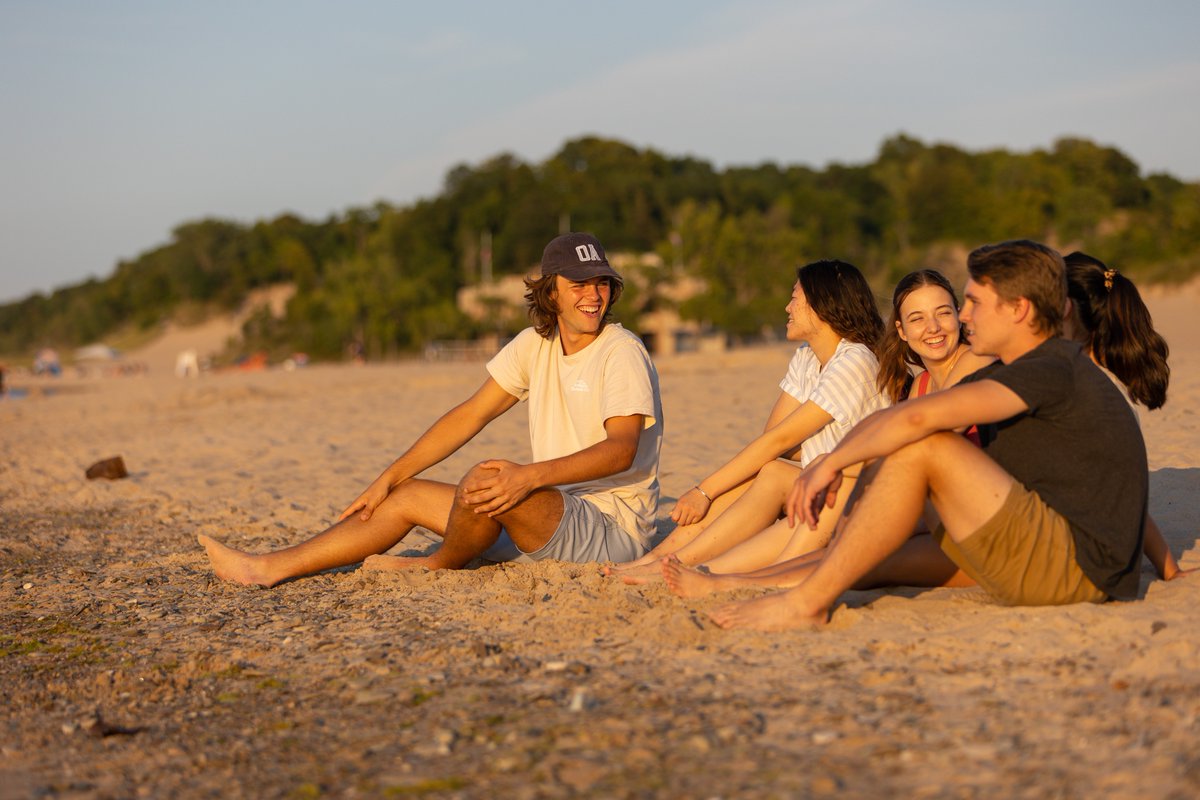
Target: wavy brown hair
895	354
1115	327
542	306
841	298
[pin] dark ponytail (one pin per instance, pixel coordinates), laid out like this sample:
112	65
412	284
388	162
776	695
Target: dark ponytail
1117	329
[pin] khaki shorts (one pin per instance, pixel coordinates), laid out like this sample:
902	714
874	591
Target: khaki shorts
1024	555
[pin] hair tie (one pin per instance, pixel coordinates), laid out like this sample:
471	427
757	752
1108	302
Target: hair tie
1108	278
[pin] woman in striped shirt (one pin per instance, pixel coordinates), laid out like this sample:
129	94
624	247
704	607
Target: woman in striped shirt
829	387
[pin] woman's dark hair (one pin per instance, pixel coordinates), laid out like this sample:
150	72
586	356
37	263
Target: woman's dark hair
543	308
1116	328
894	353
841	298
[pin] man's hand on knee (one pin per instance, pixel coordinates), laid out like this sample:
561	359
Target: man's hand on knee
494	487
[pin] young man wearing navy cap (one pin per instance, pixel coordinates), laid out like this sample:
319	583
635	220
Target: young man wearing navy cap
595	424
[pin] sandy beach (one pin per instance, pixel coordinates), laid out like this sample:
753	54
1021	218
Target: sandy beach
130	671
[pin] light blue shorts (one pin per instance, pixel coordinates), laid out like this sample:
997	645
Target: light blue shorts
584	534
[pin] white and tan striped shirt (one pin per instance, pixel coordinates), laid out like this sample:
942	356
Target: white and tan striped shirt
845	389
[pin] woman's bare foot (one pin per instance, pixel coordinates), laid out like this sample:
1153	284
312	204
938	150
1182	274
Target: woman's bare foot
682	536
236	566
652	558
646	573
775	612
393	563
690	582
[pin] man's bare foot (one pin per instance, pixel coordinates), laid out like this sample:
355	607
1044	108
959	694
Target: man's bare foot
393	563
689	582
234	565
775	612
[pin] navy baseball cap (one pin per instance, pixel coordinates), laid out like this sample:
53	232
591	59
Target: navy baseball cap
577	257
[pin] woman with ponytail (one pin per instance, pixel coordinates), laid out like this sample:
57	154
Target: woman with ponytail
1107	316
1110	320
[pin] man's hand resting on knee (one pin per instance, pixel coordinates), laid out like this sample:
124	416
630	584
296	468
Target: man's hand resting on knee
498	485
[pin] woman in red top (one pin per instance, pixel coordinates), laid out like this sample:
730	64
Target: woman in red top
925	335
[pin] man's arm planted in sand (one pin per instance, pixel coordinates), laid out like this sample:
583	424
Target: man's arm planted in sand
454	429
510	483
886	431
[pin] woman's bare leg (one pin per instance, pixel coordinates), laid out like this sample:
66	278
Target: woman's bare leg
782	542
682	534
919	562
757	508
688	582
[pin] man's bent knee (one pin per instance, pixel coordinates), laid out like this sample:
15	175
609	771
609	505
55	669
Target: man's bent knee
476	473
936	448
470	481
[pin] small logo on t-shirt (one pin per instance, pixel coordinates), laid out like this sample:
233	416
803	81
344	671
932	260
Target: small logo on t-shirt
580	386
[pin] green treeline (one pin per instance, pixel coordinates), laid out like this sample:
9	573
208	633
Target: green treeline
387	276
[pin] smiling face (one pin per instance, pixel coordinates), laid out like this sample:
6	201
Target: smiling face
929	323
802	320
581	307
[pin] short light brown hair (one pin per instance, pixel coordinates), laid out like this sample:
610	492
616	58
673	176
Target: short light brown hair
1022	268
542	306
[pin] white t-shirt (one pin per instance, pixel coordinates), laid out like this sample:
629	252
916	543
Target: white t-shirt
845	389
570	397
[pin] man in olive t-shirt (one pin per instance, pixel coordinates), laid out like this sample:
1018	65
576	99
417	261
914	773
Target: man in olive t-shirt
1051	512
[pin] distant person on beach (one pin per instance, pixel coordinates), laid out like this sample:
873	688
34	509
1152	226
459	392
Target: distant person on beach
923	333
46	363
830	386
1030	517
187	364
595	420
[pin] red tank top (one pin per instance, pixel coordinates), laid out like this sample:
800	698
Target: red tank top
972	433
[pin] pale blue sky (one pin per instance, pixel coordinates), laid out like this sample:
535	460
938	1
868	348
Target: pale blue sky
122	119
